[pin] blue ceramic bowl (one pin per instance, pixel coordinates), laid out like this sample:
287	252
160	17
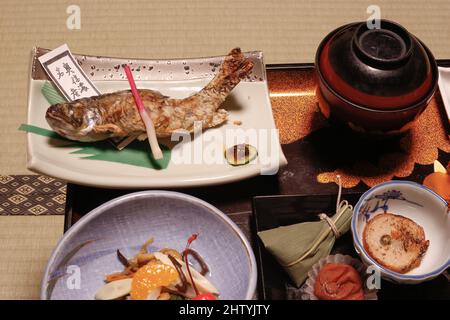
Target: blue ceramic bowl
87	252
418	203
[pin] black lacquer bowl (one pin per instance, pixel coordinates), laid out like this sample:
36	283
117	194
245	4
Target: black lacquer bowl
374	80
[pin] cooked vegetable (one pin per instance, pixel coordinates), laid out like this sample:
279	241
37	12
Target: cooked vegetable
117	276
145	245
171	252
148	123
122	258
114	290
203	284
144	258
199	259
175	297
164	296
184	284
205	295
158	275
154	294
189	294
240	154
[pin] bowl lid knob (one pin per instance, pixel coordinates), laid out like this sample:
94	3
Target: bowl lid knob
385	47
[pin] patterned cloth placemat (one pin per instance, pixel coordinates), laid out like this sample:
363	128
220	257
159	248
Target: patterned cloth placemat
31	195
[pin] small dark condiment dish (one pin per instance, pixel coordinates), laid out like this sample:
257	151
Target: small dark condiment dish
376	81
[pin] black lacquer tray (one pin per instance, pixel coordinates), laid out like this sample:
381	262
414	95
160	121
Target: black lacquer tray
295	187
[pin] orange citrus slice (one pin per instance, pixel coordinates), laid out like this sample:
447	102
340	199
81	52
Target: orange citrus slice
150	277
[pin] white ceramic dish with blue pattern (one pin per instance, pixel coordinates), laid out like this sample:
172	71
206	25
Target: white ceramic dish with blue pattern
423	206
87	252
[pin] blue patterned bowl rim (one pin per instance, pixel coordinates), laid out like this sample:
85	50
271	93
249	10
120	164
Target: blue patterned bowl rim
107	205
360	247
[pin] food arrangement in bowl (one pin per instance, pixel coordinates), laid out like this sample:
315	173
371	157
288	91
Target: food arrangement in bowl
196	252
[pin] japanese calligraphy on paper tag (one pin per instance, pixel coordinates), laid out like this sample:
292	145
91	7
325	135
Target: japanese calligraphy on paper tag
65	72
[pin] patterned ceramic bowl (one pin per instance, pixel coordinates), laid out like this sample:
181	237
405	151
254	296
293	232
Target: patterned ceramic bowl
418	203
87	252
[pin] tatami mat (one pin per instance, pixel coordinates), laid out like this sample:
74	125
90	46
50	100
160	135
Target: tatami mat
26	243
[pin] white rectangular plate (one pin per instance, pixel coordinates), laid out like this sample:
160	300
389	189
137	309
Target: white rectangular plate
248	103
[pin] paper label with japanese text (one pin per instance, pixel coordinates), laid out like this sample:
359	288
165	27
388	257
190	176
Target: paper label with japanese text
66	74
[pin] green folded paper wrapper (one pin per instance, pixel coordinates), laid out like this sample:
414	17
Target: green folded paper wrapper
298	247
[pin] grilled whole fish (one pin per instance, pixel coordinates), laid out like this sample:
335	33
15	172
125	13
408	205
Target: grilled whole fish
115	114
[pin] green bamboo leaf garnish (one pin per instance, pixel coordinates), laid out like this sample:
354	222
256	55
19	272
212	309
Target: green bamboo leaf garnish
51	93
135	154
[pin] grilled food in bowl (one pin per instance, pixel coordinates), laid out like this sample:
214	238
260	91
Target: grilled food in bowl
402	228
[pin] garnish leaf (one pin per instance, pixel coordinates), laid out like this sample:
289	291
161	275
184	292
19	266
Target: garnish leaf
136	153
51	93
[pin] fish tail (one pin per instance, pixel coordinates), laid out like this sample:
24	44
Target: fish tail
234	68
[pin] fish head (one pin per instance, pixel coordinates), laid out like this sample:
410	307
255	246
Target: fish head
73	121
